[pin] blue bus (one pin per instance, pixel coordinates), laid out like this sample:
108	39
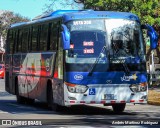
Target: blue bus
78	57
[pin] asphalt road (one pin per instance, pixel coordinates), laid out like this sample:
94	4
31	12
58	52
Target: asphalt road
86	116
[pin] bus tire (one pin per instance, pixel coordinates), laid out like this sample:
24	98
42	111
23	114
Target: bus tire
30	101
51	105
118	108
20	99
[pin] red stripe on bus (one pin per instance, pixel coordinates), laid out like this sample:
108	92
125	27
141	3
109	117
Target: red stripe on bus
123	101
82	102
92	102
103	102
113	101
141	100
72	101
132	100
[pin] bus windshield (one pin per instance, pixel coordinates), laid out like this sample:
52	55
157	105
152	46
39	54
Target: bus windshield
125	39
122	38
87	41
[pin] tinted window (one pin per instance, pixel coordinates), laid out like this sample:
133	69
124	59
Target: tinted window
19	41
34	38
53	36
43	37
25	40
10	42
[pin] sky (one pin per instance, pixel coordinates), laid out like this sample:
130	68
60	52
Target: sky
27	8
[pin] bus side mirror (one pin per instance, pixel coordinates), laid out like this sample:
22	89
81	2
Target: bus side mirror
152	34
65	36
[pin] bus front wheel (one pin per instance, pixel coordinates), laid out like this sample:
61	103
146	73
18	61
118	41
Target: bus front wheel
118	107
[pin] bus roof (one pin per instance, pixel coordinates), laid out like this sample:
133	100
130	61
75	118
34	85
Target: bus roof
68	15
99	14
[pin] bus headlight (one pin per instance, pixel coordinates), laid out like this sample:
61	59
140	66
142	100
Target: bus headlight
142	87
134	87
73	88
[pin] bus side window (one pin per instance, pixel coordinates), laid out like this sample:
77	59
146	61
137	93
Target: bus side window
15	37
19	41
43	37
34	38
53	36
10	41
25	40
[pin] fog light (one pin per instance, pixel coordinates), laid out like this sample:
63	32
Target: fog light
72	98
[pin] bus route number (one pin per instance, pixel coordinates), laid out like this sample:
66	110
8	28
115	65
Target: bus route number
81	22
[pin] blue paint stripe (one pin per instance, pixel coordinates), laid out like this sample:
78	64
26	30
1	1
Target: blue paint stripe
105	77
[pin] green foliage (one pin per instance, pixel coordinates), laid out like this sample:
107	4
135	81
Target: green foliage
147	10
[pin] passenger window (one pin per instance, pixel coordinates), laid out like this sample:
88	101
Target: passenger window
34	38
11	42
43	37
25	40
53	35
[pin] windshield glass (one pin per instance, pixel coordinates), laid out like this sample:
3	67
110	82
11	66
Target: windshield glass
125	39
87	41
122	38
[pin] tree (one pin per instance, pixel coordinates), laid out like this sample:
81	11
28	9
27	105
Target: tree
6	19
67	4
147	10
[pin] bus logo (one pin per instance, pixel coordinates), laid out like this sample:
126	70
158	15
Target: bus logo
78	77
128	78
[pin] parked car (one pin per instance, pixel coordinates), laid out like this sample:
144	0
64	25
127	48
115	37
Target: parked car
2	71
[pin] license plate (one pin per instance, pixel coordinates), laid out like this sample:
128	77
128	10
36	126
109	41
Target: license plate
108	97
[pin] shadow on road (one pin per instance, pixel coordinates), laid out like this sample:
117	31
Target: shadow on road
41	108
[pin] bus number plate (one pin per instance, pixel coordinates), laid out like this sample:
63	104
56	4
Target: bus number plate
108	96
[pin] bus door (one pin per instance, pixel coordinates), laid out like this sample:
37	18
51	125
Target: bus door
22	79
31	76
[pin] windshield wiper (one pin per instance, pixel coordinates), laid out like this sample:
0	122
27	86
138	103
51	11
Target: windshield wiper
97	59
127	71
